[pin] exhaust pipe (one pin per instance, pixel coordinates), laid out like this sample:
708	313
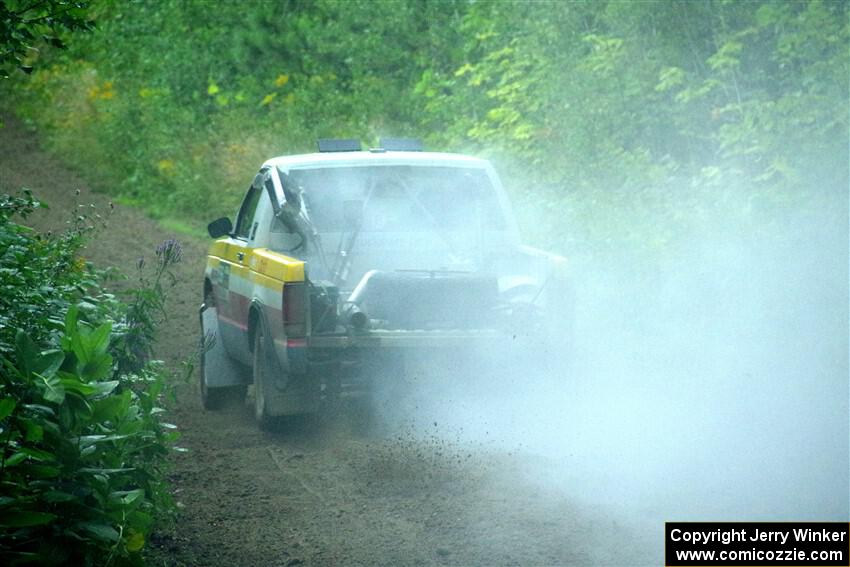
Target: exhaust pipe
357	319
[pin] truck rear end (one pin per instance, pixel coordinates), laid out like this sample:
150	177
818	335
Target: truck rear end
402	252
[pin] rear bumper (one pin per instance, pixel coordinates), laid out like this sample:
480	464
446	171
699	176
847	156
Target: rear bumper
381	338
322	350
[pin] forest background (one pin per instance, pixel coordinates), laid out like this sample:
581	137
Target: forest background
622	129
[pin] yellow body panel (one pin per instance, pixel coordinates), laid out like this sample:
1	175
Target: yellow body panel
259	265
274	265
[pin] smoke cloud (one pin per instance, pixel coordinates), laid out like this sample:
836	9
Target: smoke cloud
715	388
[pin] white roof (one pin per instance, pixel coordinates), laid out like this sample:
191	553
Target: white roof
342	159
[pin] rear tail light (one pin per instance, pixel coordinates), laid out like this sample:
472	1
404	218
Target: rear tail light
295	309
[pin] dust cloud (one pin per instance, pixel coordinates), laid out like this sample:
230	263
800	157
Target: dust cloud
715	388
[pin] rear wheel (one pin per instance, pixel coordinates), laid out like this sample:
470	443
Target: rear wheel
299	396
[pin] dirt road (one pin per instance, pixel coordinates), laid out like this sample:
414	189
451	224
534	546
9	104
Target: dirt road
322	492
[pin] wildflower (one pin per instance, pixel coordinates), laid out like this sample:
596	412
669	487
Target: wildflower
169	252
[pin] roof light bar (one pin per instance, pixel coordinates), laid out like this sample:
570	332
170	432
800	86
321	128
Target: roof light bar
334	145
402	144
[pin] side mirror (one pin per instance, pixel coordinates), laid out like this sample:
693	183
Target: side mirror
352	213
220	227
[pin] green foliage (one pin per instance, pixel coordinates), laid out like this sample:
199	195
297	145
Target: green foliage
618	125
38	273
27	24
81	442
135	335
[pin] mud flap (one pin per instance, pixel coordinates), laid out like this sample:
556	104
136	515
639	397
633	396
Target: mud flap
219	370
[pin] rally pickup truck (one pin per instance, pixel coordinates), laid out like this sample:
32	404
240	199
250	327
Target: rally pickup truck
344	257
